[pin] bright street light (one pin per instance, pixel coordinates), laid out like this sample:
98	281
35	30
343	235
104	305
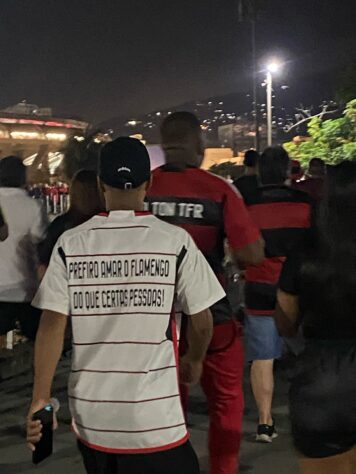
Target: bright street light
271	67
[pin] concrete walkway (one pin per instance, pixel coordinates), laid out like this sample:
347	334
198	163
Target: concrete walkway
278	458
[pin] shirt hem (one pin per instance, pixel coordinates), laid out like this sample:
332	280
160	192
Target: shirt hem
50	307
157	449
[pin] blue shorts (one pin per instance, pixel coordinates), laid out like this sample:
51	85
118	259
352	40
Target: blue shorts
262	340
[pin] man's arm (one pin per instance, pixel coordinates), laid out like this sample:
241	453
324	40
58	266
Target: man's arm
199	334
48	349
250	254
244	238
286	314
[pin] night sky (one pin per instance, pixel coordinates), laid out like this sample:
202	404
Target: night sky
103	58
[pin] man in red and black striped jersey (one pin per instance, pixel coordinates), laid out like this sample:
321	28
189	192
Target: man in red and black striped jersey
118	276
283	215
210	209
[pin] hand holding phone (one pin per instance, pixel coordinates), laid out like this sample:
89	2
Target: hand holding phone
44	447
41	422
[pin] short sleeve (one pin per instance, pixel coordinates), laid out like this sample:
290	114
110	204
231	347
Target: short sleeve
53	293
239	227
197	287
289	281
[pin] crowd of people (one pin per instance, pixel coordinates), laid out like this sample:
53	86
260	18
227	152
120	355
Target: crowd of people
55	197
137	263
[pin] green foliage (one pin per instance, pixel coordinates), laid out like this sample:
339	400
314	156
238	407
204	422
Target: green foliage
226	169
332	140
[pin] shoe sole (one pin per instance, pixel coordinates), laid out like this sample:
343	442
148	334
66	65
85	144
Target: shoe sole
263	438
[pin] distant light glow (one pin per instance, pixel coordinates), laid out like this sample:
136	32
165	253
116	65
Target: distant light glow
273	66
56	136
54	160
20	135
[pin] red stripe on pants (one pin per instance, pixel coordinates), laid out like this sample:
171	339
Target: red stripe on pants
222	382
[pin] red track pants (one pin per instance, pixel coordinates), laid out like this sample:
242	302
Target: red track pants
222	382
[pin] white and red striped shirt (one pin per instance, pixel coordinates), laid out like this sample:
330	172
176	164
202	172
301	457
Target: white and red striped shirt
118	276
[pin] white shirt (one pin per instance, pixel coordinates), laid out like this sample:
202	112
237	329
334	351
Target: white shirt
118	276
27	225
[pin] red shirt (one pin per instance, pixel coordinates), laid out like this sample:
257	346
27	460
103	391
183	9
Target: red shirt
210	209
283	214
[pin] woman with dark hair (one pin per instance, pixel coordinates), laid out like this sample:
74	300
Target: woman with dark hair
85	202
318	291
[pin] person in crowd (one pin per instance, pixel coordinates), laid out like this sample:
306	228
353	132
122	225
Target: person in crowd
85	202
118	276
283	214
248	183
315	179
209	208
296	172
4	230
27	222
317	290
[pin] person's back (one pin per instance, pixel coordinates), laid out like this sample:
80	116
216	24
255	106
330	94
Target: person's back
27	223
248	183
205	205
314	182
317	291
122	280
210	209
283	214
120	277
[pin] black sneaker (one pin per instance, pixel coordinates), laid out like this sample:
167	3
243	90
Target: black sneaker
266	433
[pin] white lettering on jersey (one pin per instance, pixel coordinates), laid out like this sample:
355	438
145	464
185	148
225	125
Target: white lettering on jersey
170	209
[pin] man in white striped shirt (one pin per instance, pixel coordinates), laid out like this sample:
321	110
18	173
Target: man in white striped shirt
120	276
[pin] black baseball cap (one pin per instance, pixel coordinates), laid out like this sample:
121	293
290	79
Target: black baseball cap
124	163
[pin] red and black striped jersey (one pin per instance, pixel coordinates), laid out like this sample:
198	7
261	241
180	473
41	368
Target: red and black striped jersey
210	209
283	215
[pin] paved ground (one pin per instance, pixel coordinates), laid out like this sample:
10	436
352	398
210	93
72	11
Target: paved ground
278	458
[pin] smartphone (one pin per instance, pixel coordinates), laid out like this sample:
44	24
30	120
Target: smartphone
44	447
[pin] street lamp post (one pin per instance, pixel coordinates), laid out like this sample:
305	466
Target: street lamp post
271	68
269	107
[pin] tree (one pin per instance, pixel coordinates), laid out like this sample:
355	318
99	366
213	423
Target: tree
333	140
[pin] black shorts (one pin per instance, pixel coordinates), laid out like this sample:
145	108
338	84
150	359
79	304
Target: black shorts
180	460
323	399
27	316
